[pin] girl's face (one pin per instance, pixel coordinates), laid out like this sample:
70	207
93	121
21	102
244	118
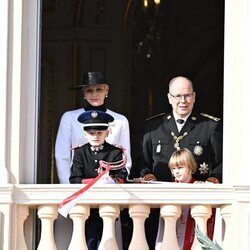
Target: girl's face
96	94
182	174
96	137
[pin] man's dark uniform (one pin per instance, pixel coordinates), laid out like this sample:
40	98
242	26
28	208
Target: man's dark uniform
201	134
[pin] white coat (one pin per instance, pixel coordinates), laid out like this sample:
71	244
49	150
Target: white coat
70	135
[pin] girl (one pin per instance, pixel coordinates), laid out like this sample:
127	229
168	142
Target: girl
182	165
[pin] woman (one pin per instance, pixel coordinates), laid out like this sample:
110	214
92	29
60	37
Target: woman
69	135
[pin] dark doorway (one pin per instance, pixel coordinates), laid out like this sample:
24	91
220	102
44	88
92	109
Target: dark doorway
139	48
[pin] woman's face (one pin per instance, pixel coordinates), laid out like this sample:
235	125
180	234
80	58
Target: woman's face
96	94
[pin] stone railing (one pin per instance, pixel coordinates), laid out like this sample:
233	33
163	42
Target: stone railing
19	202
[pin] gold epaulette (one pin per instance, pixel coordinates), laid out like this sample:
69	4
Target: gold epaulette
155	116
216	119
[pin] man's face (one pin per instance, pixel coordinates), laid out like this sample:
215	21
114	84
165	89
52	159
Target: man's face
96	137
181	96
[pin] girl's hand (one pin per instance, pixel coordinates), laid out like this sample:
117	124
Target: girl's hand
199	182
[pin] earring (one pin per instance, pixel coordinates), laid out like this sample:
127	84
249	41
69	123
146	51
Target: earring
106	96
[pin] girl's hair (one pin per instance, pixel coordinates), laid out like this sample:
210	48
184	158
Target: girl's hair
183	157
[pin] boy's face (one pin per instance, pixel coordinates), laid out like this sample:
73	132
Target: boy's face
181	173
96	137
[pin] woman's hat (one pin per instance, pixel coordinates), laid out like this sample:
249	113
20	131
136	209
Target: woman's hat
95	119
89	79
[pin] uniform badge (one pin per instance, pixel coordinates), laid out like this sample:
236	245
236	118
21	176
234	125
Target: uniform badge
94	114
198	150
203	168
158	148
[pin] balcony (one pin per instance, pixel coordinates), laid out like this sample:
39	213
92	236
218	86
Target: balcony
21	204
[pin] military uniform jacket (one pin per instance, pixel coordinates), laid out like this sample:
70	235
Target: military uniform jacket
86	162
201	135
70	135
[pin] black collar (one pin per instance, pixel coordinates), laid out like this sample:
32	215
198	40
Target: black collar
101	108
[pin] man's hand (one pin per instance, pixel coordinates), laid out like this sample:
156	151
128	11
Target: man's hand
147	177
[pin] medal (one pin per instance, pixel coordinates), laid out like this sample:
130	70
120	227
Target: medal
198	150
203	168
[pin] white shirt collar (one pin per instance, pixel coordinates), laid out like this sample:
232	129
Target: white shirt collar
183	118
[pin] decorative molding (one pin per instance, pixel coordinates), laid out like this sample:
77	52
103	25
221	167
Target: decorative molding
47	113
167	193
100	9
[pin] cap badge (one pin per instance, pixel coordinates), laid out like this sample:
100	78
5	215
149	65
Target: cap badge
94	114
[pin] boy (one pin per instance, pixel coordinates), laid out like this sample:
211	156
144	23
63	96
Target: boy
86	159
86	164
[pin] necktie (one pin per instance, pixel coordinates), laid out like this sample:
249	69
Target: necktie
180	121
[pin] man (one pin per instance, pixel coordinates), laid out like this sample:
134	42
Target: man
166	133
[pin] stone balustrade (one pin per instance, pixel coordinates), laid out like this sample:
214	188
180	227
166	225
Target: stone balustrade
18	201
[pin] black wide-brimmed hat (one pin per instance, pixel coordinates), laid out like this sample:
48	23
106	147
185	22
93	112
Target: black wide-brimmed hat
89	79
95	119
